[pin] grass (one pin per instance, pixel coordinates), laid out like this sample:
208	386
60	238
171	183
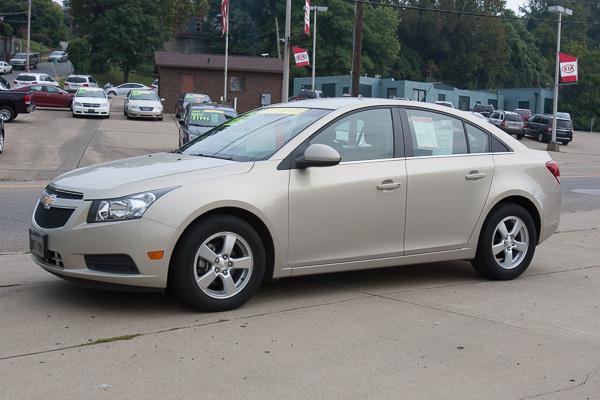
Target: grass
115	76
34	46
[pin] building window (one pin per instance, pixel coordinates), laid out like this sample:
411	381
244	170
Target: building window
328	89
391	93
236	84
493	102
366	90
197	26
464	103
441	97
419	94
524	104
346	90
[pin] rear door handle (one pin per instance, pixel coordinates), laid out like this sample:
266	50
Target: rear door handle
388	185
474	175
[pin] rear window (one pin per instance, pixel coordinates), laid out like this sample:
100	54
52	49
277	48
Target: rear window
523	112
513	117
76	79
26	78
562	123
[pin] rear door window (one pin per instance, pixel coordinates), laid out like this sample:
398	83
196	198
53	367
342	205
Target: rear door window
479	141
434	134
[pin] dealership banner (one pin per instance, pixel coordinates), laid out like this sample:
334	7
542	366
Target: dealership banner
307	17
568	68
301	57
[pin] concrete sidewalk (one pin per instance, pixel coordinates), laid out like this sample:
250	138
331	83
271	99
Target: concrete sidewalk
424	332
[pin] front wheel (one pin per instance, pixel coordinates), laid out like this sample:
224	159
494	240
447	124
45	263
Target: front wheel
520	136
506	243
7	114
565	142
218	264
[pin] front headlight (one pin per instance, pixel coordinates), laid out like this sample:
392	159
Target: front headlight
134	107
78	104
123	208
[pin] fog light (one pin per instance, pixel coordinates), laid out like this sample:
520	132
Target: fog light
156	254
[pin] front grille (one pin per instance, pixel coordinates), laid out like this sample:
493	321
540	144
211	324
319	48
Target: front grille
91	105
112	263
63	194
53	217
146	108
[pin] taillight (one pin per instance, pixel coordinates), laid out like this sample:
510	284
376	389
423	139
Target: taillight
15	82
548	129
503	124
554	170
27	100
34	83
525	125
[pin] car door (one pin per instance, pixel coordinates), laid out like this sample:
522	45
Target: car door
449	178
39	95
352	212
57	97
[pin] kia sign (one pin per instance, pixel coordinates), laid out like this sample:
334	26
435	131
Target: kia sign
301	57
568	68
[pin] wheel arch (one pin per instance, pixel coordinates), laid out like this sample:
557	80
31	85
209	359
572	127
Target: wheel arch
254	220
524	202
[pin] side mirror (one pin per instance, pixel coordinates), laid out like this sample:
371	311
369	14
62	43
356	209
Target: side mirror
318	155
181	122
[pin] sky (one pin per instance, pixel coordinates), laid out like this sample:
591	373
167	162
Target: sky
514	4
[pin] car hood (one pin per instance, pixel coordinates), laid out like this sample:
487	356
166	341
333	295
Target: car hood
150	172
96	100
145	103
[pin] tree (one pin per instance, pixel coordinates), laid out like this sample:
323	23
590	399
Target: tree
47	22
79	54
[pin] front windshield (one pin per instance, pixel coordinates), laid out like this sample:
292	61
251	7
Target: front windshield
19	56
99	94
208	117
195	98
255	135
56	53
142	95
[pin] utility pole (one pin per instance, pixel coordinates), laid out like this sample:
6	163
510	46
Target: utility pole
560	10
28	35
316	9
286	52
358	28
278	40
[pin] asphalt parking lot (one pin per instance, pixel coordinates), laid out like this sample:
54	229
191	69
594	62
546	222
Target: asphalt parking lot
434	331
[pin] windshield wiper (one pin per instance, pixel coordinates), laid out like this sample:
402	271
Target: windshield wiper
212	156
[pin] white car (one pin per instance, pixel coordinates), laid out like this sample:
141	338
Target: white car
143	104
5	68
91	101
74	82
28	79
310	187
124	89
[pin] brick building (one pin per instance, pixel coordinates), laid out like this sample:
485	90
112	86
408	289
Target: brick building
252	80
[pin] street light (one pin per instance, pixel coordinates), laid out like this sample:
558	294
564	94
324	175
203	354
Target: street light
560	10
316	9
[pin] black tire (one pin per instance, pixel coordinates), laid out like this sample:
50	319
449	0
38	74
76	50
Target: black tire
520	136
182	279
112	94
565	142
485	261
7	113
128	117
2	143
160	119
540	137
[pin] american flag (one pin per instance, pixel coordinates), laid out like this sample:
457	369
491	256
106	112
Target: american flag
307	17
225	15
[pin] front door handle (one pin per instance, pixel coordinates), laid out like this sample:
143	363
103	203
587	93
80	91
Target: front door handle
388	185
474	175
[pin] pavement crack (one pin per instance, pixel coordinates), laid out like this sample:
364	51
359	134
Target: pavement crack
92	136
566	389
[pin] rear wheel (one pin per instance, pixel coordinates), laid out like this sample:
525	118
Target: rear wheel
520	136
218	264
506	243
565	142
7	114
540	137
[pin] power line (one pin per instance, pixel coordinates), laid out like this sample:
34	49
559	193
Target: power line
472	14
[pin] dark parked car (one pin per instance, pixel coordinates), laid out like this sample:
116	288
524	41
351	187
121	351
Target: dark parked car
509	122
485	110
190	98
201	119
48	96
14	103
540	127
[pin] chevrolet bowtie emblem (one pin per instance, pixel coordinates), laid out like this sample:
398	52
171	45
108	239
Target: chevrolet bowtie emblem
47	200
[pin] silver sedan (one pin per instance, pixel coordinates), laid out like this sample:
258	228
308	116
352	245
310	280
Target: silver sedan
309	187
143	104
124	89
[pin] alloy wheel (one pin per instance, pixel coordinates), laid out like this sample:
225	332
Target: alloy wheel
510	242
5	114
540	137
1	143
223	265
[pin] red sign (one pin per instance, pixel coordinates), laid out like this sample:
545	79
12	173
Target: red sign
568	68
307	17
301	57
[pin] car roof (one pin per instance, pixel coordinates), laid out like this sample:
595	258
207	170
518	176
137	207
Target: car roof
78	76
143	91
31	74
90	89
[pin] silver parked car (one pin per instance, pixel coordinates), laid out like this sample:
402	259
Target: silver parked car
58	56
509	122
143	104
124	89
309	187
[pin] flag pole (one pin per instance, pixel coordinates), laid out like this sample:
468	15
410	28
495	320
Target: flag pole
226	51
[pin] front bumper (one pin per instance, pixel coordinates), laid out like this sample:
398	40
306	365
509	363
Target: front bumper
70	244
80	110
135	113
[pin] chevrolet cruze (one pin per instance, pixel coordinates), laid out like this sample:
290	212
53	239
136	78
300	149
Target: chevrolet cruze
308	187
